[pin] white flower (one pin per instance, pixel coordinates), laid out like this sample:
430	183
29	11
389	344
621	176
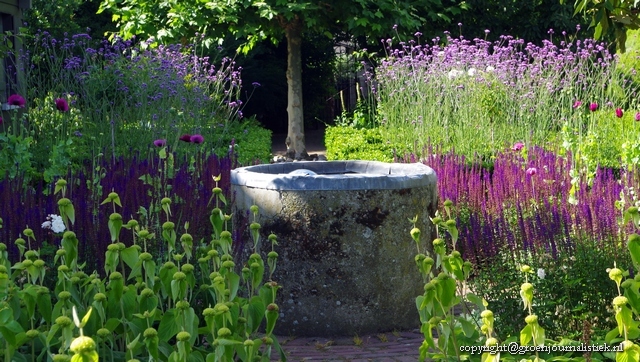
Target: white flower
440	53
57	225
541	273
454	73
490	68
471	72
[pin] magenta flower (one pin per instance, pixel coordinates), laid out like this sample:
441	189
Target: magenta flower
0	120
532	171
638	116
62	105
619	112
185	138
16	100
593	107
160	143
576	104
196	138
517	146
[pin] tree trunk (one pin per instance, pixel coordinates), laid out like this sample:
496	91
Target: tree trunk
295	135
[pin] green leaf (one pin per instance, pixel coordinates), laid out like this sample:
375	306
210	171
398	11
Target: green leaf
234	281
112	324
169	326
44	306
71	213
70	245
468	327
134	344
448	295
525	335
10	330
150	271
111	261
90	356
130	256
630	354
272	316
114	228
29	298
633	245
538	334
86	317
152	347
256	312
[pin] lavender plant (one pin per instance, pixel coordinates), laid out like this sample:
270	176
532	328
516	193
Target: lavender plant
88	97
477	96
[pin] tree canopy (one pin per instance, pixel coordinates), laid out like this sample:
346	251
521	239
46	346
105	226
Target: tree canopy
255	20
610	19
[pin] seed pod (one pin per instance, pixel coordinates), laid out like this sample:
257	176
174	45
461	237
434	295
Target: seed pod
103	333
99	297
82	344
179	276
63	321
531	319
150	333
183	336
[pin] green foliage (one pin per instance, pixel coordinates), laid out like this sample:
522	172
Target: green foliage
346	143
529	20
628	61
258	20
457	324
570	294
604	141
187	304
252	142
610	19
67	16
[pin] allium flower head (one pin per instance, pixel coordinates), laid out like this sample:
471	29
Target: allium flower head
454	73
62	105
196	138
532	171
16	100
185	138
576	104
593	107
637	116
517	146
619	112
160	143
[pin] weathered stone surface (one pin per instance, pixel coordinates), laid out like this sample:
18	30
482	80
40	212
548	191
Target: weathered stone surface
346	260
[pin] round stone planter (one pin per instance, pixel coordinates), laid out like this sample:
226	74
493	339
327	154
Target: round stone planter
346	262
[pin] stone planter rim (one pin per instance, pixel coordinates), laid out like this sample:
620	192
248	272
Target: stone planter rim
334	175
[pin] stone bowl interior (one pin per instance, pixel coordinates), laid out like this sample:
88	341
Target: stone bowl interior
333	175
